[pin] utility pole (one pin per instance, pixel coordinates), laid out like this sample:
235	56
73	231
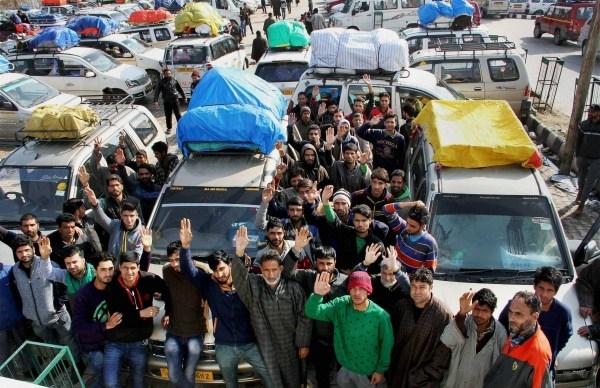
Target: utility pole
583	86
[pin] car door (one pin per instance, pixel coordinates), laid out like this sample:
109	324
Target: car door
362	15
47	69
545	21
11	119
218	52
383	13
73	71
463	75
162	37
508	80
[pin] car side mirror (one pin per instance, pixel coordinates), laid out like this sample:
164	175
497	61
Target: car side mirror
8	106
89	74
127	55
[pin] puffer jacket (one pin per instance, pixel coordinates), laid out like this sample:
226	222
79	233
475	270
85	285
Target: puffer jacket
120	239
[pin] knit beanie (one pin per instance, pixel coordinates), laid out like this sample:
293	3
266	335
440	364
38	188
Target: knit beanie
343	195
360	279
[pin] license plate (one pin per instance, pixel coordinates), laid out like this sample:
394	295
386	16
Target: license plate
288	92
204	376
185	70
164	373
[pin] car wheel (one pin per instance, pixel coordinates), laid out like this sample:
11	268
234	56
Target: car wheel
352	28
154	77
537	31
558	39
539	12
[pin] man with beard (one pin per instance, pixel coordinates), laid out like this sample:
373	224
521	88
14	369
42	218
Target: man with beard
165	162
342	137
311	165
475	340
358	106
398	187
78	273
276	308
588	156
363	336
30	227
234	335
114	165
302	102
275	242
67	234
349	174
526	353
391	283
91	318
298	129
388	143
76	207
375	196
416	247
125	233
321	347
351	240
146	190
419	358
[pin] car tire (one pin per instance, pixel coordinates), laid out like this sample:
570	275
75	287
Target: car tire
154	77
558	39
537	31
539	12
352	28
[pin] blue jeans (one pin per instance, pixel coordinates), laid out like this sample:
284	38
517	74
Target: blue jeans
95	361
183	354
229	356
136	353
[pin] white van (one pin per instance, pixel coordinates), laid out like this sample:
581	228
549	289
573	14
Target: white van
83	71
584	35
190	52
156	35
538	7
493	7
479	71
131	51
423	38
283	68
366	15
19	95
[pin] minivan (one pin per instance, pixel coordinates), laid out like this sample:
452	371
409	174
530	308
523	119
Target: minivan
493	7
156	35
283	68
563	20
366	15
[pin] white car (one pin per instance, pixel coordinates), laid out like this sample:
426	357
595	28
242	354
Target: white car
130	50
423	38
283	68
156	35
116	16
584	35
84	71
20	94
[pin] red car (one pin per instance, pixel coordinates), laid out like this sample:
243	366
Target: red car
563	20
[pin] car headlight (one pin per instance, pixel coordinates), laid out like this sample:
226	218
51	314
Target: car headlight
131	83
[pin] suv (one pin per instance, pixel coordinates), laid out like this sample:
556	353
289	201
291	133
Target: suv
283	68
83	71
131	51
41	174
423	38
493	7
563	21
494	226
218	191
190	52
488	70
538	7
343	86
19	95
156	35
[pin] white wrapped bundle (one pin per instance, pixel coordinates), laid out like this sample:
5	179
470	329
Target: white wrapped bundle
324	47
357	50
392	54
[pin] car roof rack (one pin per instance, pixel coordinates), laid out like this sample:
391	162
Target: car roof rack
497	43
337	72
150	24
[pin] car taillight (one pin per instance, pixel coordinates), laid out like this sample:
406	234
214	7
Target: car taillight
526	91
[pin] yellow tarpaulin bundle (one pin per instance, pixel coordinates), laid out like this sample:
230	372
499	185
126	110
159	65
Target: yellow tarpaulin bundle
195	14
473	134
61	122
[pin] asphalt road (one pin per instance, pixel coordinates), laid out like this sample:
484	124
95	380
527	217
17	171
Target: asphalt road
521	32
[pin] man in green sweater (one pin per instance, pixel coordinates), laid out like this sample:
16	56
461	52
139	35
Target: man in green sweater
363	335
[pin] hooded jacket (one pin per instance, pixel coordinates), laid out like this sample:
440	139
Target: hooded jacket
120	240
316	172
364	197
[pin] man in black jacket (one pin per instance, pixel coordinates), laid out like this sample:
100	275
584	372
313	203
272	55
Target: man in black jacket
131	294
588	155
169	87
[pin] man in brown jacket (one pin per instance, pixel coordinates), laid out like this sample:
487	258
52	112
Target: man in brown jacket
419	358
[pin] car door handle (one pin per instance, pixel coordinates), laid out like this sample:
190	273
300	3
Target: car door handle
478	89
69	84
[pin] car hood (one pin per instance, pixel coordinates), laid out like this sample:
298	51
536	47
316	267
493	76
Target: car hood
62	99
126	72
153	54
579	352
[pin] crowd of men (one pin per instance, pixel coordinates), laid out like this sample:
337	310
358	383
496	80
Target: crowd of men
343	286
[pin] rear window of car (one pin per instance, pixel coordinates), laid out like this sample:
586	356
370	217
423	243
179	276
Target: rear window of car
281	72
584	13
503	69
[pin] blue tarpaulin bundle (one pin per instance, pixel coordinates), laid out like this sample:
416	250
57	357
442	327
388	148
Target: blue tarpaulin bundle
462	7
428	13
92	26
234	109
170	5
54	37
5	65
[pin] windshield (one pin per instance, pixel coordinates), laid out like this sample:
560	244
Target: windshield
40	191
347	6
29	92
101	61
215	213
187	55
520	233
281	71
118	16
135	46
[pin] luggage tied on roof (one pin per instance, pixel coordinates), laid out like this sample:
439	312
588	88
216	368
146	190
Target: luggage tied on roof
54	38
477	133
92	26
195	14
287	33
61	122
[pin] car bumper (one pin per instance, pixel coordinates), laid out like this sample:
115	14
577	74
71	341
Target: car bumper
585	377
144	92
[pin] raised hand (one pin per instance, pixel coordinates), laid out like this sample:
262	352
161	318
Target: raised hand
363	158
97	145
465	302
84	177
372	253
185	233
241	241
146	237
322	286
312	194
326	194
45	248
302	238
390	257
330	136
292	119
120	156
281	169
267	194
91	196
366	79
315	92
322	109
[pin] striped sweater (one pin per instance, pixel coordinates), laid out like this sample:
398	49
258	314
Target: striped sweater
421	252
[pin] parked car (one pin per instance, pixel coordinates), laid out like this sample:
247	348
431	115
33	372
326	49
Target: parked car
493	7
584	35
538	7
65	10
563	20
156	35
366	15
283	68
517	6
490	72
118	17
130	50
20	94
83	71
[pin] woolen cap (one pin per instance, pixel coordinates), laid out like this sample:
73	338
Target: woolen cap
343	195
360	279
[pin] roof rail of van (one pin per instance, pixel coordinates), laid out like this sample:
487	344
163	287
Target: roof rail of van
148	24
338	71
476	46
191	35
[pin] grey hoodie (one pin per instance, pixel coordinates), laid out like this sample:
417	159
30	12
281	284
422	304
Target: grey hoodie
316	172
118	234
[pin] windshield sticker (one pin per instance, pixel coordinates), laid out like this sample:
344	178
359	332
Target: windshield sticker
61	186
543	222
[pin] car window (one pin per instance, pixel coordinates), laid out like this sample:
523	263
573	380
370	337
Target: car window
95	182
45	67
187	55
4	105
414	44
231	45
550	11
412	3
417	175
144	128
22	66
145	36
71	68
218	49
385	4
535	1
460	72
326	92
503	69
281	72
162	34
362	90
583	13
28	91
361	6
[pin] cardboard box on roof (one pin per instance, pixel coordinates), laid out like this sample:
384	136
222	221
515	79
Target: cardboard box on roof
477	133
